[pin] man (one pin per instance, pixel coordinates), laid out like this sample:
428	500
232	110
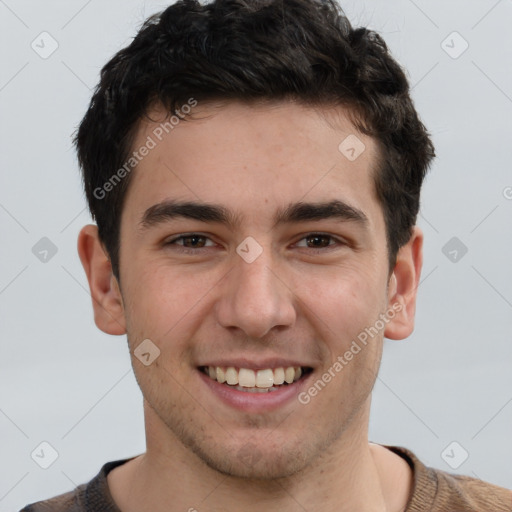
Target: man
254	169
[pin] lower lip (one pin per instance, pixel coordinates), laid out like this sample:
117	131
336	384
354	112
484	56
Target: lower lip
255	402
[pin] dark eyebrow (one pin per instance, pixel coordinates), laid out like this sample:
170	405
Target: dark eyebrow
295	212
168	210
336	209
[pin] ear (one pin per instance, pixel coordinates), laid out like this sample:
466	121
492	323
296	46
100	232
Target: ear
403	287
105	292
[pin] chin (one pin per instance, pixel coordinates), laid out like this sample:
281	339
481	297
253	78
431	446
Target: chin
251	464
252	458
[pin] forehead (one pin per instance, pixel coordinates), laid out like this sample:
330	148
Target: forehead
255	159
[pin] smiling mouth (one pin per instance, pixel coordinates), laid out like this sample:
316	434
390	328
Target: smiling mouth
260	381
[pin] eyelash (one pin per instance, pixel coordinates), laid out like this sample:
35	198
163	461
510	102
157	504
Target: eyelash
188	250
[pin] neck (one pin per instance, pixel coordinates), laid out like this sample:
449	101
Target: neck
349	476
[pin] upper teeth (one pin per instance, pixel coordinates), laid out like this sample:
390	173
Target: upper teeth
249	378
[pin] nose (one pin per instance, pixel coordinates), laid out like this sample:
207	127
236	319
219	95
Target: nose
255	297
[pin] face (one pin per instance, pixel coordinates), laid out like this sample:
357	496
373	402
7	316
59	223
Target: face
286	268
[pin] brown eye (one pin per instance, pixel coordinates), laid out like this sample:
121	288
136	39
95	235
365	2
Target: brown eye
193	241
190	241
319	241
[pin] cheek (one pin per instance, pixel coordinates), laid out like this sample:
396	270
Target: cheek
165	298
345	301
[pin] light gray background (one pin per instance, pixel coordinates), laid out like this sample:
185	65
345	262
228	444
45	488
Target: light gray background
65	382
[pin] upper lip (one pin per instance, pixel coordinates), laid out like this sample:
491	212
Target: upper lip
255	364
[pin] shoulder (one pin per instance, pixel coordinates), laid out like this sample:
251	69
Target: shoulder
472	493
93	496
69	502
437	491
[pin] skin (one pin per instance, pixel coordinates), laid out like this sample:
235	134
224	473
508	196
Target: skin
296	300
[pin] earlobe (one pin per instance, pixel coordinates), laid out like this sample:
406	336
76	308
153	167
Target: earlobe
105	293
403	287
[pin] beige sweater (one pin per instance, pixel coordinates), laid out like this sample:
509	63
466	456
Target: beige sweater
433	491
